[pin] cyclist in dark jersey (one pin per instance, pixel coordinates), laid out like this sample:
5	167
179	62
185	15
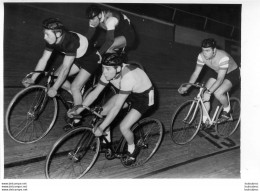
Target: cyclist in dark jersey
134	86
79	58
223	74
119	31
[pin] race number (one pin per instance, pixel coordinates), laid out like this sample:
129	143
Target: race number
151	97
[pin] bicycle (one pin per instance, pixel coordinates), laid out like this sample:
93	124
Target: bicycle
186	122
74	154
31	113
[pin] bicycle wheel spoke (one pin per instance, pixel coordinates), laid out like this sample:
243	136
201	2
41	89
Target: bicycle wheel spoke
72	157
148	135
34	117
226	128
181	131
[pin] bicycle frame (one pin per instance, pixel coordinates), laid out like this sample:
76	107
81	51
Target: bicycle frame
199	101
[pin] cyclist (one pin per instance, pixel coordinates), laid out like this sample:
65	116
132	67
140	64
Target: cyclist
79	58
223	74
119	31
134	87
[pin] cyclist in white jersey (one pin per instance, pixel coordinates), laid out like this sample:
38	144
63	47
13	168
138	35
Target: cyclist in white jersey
223	75
134	86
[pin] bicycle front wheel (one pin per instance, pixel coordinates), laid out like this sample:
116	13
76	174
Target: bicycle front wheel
186	122
31	114
227	127
73	155
148	134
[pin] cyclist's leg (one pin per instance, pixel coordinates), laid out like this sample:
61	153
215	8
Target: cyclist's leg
106	108
119	42
126	124
73	70
77	84
221	94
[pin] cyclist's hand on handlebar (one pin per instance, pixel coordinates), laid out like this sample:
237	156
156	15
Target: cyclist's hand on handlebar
206	97
52	92
27	82
183	89
71	113
97	131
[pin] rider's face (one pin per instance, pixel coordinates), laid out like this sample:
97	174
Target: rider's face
95	21
109	72
49	36
208	53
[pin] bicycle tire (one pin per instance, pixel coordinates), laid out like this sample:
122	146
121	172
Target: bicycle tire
227	128
61	161
183	134
148	135
26	120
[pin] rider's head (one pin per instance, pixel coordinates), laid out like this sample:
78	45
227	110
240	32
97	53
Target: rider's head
209	48
53	30
94	14
112	64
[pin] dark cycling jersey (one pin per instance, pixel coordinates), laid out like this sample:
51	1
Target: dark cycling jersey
75	44
120	23
71	44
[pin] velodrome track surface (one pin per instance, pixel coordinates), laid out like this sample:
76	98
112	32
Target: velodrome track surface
207	156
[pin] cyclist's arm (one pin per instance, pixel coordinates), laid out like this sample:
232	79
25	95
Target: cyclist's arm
41	63
195	74
114	110
219	81
90	33
66	65
92	96
110	34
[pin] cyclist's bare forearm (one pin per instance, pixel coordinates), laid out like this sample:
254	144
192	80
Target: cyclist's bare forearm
63	73
195	74
61	78
110	117
39	67
92	96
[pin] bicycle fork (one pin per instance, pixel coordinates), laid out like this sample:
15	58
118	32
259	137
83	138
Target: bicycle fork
84	143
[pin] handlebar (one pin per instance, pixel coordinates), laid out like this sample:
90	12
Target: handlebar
91	110
197	85
48	73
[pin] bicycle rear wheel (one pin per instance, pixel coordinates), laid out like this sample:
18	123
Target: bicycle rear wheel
228	127
148	134
31	114
73	155
186	122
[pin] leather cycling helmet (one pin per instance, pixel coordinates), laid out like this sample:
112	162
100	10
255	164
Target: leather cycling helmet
114	59
52	24
93	11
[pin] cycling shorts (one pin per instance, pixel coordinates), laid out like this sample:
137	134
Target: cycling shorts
233	76
88	61
140	101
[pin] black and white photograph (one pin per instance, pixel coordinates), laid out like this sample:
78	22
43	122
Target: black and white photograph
133	94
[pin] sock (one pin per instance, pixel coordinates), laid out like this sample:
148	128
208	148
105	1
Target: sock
204	118
76	121
131	148
226	109
108	136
